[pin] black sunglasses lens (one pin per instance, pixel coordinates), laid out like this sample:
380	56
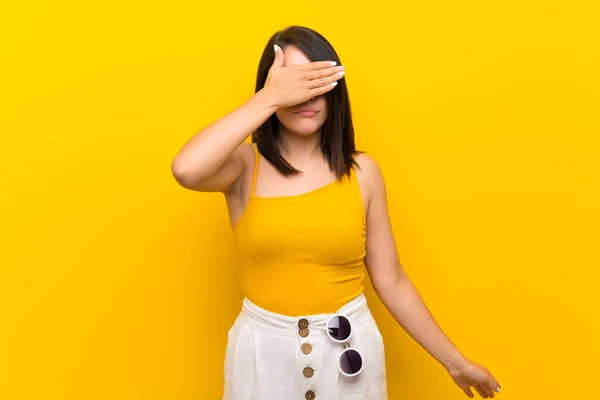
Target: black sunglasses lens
351	362
339	328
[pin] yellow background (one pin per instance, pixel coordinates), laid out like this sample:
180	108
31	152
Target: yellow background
116	283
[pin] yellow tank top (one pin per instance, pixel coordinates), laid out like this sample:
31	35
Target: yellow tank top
302	254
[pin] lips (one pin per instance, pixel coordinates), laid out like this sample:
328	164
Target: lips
306	112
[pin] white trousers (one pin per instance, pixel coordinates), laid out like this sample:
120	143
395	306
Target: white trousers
267	358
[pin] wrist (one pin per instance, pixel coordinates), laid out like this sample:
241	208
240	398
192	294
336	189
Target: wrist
266	100
454	361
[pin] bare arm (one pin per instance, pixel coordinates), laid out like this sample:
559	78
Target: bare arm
400	296
391	283
212	160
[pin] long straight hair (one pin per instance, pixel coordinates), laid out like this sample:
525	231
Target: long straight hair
337	132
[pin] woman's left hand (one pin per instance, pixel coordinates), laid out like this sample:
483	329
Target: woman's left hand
470	373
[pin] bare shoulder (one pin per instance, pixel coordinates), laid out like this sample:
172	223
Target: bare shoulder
368	172
370	179
367	165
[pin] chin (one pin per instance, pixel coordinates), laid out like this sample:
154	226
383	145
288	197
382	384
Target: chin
304	128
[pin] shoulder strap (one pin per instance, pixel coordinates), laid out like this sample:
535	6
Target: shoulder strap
256	161
357	192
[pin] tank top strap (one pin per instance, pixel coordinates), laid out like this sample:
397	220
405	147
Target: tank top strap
357	192
255	173
353	178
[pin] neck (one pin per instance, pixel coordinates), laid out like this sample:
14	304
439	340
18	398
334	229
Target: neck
299	148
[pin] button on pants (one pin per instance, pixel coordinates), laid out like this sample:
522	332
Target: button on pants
273	357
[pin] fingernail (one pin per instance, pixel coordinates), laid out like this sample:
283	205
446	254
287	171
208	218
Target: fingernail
341	72
276	47
333	63
498	389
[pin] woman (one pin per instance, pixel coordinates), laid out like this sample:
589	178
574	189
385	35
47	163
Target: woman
309	217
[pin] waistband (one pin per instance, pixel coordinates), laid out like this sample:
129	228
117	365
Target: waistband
270	322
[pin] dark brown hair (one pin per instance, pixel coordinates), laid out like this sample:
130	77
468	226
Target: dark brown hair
337	132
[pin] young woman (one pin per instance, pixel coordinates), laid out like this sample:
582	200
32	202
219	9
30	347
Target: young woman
309	217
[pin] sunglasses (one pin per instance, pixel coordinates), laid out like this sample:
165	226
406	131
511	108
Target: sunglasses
339	330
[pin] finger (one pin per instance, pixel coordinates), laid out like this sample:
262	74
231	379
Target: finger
494	385
468	392
323	82
316	65
480	391
314	92
324	72
278	61
488	390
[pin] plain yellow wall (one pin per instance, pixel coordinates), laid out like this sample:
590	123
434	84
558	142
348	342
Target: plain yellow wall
116	283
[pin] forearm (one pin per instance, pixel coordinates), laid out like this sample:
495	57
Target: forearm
205	152
406	305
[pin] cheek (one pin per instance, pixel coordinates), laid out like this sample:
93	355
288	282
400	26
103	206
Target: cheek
285	116
323	115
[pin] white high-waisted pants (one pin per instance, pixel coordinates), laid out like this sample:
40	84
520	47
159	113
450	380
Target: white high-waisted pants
264	357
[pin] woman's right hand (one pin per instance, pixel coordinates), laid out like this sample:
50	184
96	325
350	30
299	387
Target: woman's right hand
295	84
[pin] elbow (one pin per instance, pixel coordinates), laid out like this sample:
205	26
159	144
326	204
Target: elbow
386	284
382	287
183	174
179	172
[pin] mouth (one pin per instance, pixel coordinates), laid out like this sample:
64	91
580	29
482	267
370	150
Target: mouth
306	112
